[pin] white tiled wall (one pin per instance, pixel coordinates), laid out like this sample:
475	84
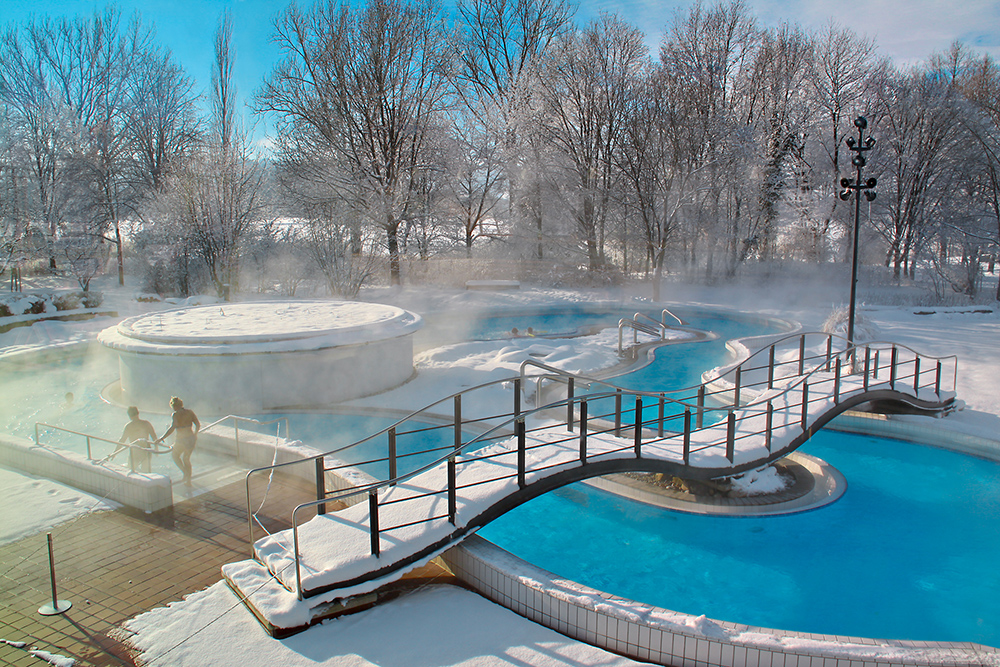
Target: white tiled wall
148	492
619	625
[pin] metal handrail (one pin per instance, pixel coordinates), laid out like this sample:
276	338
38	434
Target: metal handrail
120	445
659	332
800	386
824	369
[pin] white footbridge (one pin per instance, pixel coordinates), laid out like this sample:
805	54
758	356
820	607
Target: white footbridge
361	537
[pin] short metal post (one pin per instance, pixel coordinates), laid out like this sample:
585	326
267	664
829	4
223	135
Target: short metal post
736	390
805	405
937	380
802	354
569	405
89	455
770	369
892	367
392	453
522	453
699	420
687	435
373	520
58	606
320	484
768	423
659	420
452	484
916	376
637	428
875	370
583	432
731	436
829	352
836	382
618	413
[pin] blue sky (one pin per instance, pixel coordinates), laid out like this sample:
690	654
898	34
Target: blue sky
906	30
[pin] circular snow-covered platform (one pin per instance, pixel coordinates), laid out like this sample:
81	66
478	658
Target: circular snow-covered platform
263	355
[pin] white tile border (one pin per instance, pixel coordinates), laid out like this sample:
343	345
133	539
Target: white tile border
666	637
671	638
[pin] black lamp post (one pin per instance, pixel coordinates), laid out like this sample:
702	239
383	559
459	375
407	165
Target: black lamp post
859	147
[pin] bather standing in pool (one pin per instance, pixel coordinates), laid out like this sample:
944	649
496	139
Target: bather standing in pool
186	425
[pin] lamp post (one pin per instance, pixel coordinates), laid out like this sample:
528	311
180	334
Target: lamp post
855	188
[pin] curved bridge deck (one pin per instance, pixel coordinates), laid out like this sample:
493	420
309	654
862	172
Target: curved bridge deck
766	408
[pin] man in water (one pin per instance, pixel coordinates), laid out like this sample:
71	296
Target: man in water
138	430
186	424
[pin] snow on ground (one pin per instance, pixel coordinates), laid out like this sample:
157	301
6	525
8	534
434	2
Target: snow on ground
434	626
51	503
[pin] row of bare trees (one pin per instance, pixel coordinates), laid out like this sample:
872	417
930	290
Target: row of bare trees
502	127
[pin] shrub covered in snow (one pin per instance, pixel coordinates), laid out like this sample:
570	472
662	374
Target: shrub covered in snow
19	303
864	328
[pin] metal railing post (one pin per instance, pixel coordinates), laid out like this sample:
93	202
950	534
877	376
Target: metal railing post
659	419
836	382
699	420
805	405
458	421
392	453
731	436
583	432
373	521
687	435
768	426
829	352
770	368
916	376
90	457
736	390
517	397
868	358
937	380
522	453
802	354
875	369
618	413
236	437
893	359
637	428
569	405
452	490
320	483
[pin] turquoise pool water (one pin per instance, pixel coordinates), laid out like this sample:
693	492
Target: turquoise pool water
909	552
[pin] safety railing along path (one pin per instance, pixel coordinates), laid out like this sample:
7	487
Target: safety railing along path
747	416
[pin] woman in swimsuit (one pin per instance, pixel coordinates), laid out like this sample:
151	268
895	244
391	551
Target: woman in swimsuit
186	424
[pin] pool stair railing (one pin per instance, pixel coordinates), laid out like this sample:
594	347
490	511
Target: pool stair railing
338	554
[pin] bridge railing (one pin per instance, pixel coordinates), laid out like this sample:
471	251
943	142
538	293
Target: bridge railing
681	426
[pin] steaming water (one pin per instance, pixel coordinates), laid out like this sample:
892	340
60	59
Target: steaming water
909	552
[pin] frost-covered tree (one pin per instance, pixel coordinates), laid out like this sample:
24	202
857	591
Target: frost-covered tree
362	89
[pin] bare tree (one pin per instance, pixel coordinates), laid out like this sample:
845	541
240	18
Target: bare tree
841	78
221	192
587	102
501	46
363	88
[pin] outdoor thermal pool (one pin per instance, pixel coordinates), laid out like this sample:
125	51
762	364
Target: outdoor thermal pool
888	559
